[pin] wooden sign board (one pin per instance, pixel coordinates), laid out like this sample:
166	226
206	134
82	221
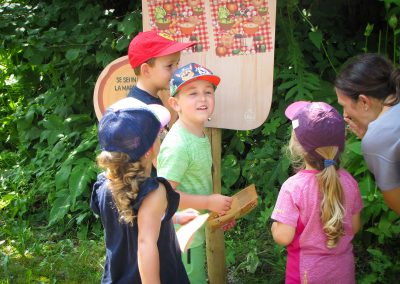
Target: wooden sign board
235	39
113	84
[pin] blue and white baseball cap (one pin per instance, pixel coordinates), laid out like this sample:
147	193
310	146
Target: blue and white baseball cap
189	73
130	126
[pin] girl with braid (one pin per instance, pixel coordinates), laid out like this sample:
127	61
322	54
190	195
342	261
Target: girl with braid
318	209
136	210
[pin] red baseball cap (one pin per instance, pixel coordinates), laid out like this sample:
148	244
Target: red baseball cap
150	44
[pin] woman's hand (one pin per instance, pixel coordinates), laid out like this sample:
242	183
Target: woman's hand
358	130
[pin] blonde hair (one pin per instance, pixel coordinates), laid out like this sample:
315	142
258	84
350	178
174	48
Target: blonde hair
124	178
332	209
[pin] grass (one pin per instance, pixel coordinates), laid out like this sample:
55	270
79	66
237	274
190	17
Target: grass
47	261
42	256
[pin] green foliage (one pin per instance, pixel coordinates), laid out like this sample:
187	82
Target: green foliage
51	53
50	57
48	259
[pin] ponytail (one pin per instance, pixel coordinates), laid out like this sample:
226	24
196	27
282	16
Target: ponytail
124	178
332	195
332	209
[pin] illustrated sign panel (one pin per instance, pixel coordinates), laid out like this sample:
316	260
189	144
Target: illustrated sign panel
234	38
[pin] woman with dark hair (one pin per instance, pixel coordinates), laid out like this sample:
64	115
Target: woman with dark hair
368	88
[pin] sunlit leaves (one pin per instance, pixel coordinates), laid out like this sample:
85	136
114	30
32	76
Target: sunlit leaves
55	53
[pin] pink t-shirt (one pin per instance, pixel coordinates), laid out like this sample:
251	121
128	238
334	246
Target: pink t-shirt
309	260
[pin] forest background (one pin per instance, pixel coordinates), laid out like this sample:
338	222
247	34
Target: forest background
50	57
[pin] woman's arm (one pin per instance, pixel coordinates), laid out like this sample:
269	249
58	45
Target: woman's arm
150	214
355	223
392	198
283	234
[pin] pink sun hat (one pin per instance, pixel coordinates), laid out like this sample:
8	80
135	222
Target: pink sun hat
316	124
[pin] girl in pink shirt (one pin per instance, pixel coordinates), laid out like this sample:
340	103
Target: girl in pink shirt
318	209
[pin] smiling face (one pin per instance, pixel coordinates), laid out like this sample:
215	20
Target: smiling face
194	102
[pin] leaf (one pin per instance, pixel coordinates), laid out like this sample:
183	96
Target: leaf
355	147
86	144
26	121
53	122
129	25
367	186
78	118
368	29
316	38
82	232
103	58
60	208
62	176
122	44
6	199
287	85
230	170
72	54
239	146
80	178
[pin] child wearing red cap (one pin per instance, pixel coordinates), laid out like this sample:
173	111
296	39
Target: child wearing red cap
136	210
185	155
154	57
318	209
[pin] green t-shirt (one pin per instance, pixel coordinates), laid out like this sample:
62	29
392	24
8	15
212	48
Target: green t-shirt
186	159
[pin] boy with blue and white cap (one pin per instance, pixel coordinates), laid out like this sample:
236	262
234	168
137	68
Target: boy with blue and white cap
185	155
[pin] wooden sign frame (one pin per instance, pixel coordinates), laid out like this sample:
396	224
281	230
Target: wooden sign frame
244	96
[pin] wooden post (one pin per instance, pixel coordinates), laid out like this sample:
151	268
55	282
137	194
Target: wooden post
215	240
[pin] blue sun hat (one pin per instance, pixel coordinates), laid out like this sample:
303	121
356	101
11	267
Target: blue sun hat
130	126
189	73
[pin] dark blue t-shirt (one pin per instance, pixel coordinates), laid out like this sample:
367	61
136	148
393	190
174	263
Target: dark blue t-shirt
143	96
121	265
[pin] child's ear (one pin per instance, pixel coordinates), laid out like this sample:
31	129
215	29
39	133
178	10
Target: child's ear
173	102
145	69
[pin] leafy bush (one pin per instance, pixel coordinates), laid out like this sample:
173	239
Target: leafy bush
50	57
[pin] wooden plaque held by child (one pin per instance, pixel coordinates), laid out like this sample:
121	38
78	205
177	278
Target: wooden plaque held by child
243	202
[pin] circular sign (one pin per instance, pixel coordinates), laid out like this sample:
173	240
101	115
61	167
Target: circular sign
113	84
